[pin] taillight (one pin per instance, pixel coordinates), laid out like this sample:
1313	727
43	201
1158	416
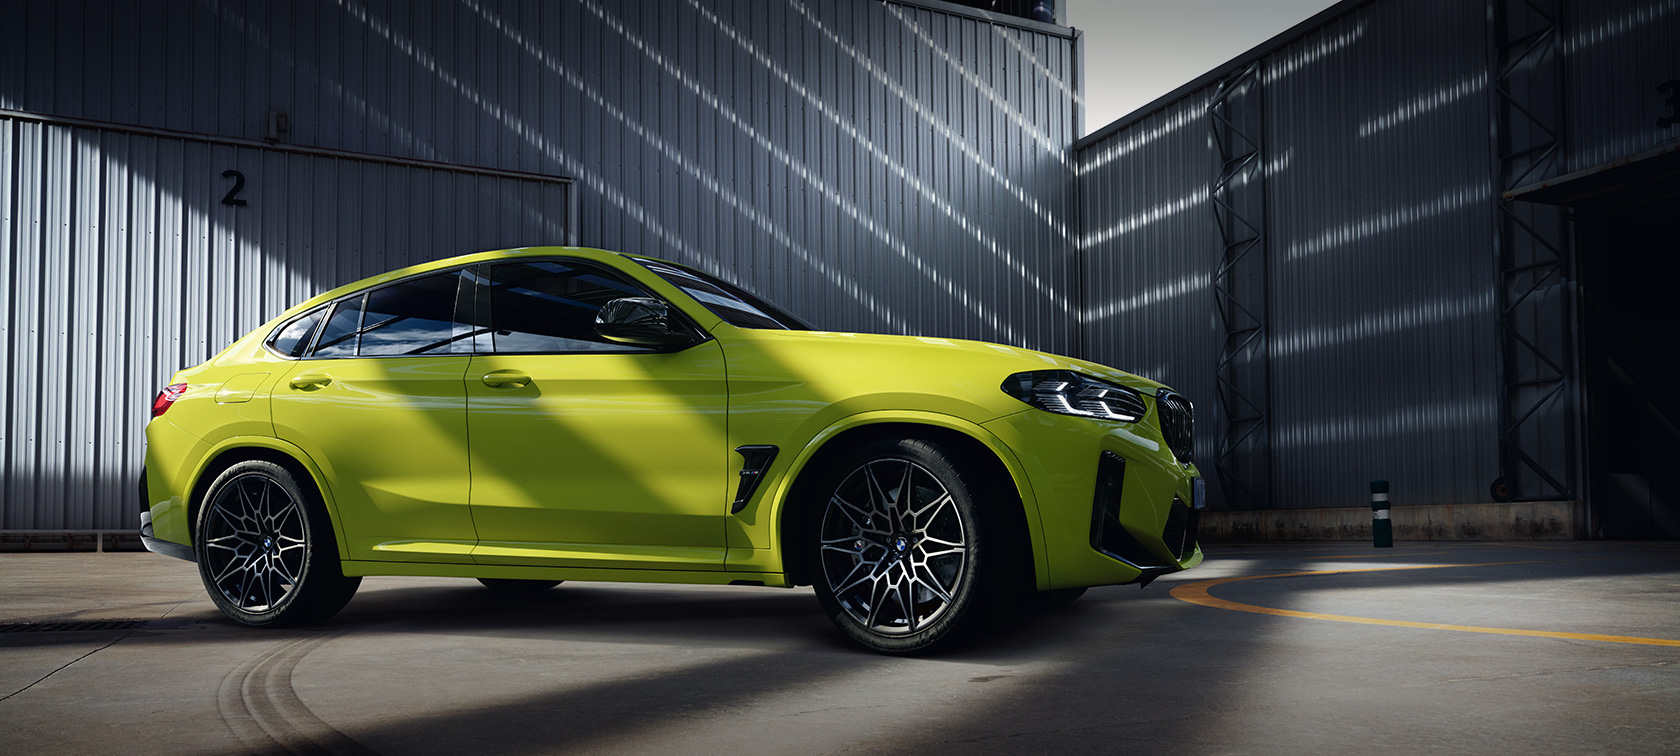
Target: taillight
167	397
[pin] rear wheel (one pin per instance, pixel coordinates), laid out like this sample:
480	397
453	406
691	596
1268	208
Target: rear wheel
265	548
903	556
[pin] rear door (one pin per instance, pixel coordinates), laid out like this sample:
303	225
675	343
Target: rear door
585	452
378	404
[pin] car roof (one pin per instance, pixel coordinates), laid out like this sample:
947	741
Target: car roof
585	253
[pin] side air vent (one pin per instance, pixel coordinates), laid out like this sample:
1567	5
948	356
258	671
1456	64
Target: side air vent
755	459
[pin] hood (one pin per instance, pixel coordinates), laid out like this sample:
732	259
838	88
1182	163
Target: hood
1028	359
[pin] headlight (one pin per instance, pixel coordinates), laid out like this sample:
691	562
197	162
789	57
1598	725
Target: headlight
1065	392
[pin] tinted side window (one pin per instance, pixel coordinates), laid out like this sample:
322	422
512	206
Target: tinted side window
413	317
293	337
339	337
551	307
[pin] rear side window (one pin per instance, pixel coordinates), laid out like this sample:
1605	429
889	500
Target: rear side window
339	337
293	338
412	318
550	307
408	318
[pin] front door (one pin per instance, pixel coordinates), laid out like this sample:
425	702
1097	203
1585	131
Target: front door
588	453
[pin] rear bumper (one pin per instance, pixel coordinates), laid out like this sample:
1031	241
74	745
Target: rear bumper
159	546
149	539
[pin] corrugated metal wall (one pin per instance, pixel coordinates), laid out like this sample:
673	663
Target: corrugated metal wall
1384	315
874	166
124	265
1150	247
1382	319
1618	55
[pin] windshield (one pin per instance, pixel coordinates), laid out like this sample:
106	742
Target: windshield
736	306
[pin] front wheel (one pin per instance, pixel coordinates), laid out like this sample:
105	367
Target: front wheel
903	555
265	548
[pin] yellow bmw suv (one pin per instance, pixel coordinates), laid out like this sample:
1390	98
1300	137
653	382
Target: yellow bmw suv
537	415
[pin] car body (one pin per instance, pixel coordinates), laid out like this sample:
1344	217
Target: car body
461	418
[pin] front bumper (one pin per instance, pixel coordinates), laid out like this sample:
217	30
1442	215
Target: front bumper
1111	536
1114	504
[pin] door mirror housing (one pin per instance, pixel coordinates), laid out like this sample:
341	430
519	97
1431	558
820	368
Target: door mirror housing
640	321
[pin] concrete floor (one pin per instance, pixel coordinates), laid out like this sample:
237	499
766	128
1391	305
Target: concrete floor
417	666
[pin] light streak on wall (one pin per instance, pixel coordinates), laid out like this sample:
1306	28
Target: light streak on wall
939	125
1160	212
1407	318
1195	283
1622	25
1471	195
591	180
1289	61
1045	73
800	169
1362	425
1468	86
1135	139
1055	149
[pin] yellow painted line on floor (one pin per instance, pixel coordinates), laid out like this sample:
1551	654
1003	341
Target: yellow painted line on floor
1198	593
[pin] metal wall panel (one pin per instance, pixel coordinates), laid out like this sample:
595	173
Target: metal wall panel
1150	246
874	166
1384	310
124	265
1382	318
1618	55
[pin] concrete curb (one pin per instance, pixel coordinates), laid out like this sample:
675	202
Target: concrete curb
1512	521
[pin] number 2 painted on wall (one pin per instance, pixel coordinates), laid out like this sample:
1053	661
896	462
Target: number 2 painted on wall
1671	91
232	197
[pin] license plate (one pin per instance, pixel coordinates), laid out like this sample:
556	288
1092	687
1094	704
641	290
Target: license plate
1198	492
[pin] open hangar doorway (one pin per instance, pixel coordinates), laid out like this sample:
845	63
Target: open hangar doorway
1627	246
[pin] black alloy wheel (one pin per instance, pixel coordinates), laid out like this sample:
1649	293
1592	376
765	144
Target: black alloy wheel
903	556
265	548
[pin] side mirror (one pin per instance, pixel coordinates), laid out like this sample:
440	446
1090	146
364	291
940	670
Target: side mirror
639	321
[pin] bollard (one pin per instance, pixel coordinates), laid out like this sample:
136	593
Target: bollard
1382	529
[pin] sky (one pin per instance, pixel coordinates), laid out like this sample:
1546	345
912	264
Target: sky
1138	50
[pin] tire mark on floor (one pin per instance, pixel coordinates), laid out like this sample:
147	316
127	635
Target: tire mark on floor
262	708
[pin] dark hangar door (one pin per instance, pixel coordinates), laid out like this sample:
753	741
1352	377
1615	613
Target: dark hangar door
1628	240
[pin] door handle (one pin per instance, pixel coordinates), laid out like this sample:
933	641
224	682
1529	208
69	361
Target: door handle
507	379
310	381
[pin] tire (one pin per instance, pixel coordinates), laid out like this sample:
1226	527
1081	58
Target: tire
904	580
266	550
512	587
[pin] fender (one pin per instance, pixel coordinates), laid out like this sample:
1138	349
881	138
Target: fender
296	453
780	493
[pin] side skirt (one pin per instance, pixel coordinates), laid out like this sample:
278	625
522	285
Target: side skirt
355	568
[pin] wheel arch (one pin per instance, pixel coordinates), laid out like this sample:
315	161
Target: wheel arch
992	457
244	448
